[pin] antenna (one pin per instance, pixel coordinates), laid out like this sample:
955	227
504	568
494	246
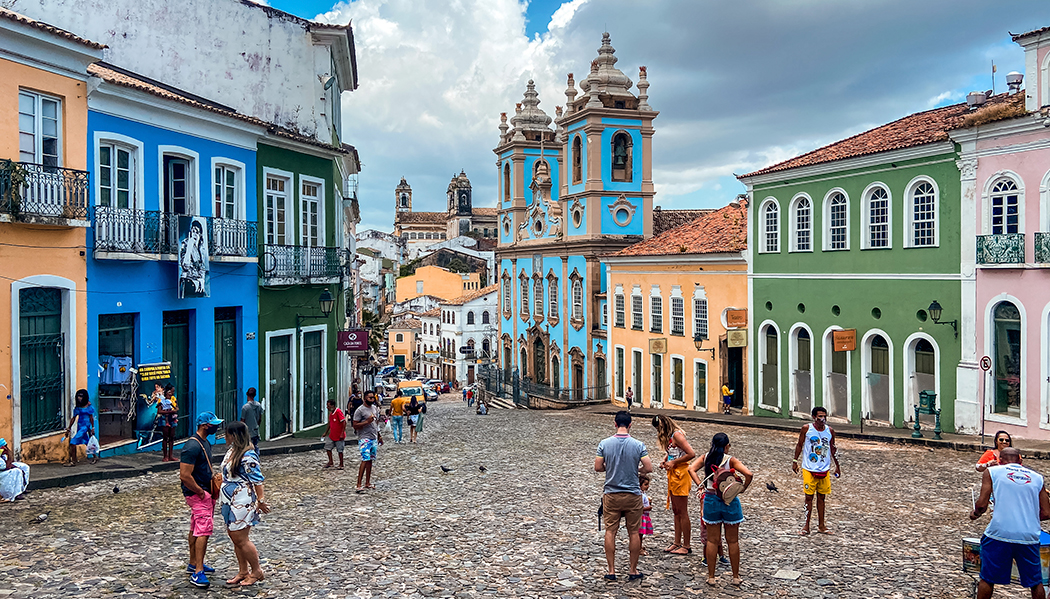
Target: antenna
993	77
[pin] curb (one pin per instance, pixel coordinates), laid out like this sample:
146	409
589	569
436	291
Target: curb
968	446
86	476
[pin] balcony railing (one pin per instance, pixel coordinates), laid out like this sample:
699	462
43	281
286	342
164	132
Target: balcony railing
1007	248
301	262
1042	248
35	190
152	232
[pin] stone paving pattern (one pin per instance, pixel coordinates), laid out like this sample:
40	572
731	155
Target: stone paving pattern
527	528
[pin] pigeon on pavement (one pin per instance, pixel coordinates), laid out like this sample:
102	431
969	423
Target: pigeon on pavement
772	488
40	518
116	488
483	469
446	469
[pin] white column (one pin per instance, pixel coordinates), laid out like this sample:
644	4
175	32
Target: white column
967	410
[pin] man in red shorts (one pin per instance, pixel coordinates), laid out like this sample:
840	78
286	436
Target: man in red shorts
195	473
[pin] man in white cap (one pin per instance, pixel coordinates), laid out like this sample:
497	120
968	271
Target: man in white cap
196	475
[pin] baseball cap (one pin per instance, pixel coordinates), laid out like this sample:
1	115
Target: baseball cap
208	418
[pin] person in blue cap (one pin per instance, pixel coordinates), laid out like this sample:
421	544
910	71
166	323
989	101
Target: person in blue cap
198	488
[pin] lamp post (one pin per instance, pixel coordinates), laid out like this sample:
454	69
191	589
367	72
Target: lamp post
935	315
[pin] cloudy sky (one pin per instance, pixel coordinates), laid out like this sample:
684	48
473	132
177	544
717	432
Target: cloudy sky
739	85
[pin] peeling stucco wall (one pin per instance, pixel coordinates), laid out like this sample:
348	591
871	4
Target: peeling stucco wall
258	61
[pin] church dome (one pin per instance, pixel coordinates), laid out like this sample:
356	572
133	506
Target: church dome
530	117
609	80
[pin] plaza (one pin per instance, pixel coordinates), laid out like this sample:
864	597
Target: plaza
525	528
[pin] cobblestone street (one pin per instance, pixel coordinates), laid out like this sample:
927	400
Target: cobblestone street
526	528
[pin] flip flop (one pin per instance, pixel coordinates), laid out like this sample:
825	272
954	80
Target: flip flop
610	577
359	490
370	486
824	532
637	576
681	551
672	547
803	532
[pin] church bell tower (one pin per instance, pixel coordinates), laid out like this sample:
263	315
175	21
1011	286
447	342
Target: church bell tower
403	196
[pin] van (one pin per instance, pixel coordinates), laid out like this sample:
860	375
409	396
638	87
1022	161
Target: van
411	389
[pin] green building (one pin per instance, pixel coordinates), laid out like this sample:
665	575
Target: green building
862	235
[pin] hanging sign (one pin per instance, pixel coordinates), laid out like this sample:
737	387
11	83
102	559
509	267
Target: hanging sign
736	338
352	341
736	319
844	340
658	346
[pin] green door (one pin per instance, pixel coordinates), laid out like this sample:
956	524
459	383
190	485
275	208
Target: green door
280	377
312	384
41	358
176	350
226	390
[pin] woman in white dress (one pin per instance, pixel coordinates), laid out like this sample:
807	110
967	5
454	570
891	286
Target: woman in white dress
242	501
14	476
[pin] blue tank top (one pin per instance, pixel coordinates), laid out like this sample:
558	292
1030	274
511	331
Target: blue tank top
1016	516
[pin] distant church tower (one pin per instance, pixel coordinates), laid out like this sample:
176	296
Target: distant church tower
460	209
403	196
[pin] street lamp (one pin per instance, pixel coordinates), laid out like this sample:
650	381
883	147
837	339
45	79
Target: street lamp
698	341
935	315
325	302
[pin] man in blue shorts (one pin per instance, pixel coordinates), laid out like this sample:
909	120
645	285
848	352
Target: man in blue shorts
366	422
1013	534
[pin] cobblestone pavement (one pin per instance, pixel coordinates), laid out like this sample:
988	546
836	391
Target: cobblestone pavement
526	528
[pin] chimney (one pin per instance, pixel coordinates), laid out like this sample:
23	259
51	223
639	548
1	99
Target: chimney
975	100
1014	80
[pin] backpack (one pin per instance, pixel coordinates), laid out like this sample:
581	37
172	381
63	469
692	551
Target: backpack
726	483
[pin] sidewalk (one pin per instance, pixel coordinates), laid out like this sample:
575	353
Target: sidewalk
51	475
1030	448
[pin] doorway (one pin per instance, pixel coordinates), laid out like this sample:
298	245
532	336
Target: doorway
802	372
176	342
539	356
313	385
42	358
837	393
280	376
770	366
577	380
733	371
226	383
878	378
602	391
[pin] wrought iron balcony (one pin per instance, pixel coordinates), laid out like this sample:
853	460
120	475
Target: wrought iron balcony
229	237
30	191
1007	248
1042	248
301	263
153	233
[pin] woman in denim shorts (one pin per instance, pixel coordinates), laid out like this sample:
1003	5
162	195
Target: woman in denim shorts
716	513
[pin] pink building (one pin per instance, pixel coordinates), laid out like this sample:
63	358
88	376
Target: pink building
1005	169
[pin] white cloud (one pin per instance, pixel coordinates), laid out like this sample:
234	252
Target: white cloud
561	17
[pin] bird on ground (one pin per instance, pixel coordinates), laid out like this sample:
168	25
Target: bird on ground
446	469
40	518
116	488
483	469
772	488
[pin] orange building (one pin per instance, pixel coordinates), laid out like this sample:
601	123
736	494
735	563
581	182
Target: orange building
43	223
669	295
401	337
437	281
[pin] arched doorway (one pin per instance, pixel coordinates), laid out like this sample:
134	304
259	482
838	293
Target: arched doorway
555	372
878	378
601	392
523	363
802	371
770	366
539	357
921	366
1006	351
577	380
836	371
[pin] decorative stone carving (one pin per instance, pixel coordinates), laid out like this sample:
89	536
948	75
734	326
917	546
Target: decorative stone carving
967	168
643	90
503	127
576	212
622	211
570	95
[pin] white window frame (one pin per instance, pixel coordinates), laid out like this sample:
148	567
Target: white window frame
192	176
696	385
656	316
552	299
619	308
989	350
38	119
577	299
658	400
508	304
290	229
764	230
827	226
909	213
795	229
637	308
523	283
619	384
138	178
670	378
240	208
989	186
300	198
701	322
677	312
865	240
537	300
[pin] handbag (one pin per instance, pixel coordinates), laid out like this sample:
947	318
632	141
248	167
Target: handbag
216	478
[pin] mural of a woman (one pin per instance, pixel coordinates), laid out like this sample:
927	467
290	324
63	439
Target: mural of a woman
193	261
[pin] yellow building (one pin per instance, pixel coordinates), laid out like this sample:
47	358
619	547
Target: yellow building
438	282
401	344
43	223
669	293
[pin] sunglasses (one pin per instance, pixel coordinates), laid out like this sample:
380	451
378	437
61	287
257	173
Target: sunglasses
1002	440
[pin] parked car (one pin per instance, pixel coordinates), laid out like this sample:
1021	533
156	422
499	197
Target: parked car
440	386
430	394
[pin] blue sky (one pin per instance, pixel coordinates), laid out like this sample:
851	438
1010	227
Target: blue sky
739	85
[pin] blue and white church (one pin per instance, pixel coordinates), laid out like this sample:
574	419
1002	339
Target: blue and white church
567	197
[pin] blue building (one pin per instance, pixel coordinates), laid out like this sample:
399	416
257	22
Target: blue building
567	197
172	255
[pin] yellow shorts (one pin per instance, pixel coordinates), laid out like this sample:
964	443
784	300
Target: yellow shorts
814	484
678	480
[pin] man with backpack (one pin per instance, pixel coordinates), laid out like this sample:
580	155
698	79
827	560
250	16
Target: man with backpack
814	454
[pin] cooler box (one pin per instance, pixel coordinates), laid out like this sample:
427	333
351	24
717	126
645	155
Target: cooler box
971	557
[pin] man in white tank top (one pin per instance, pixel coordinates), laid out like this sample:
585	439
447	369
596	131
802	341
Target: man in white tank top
1013	534
814	454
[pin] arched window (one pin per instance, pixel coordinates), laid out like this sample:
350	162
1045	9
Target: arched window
837	219
523	363
577	299
1007	354
577	160
621	157
537	289
524	296
878	218
470	317
485	346
1005	208
803	224
506	293
506	181
923	215
770	227
552	294
555	372
485	317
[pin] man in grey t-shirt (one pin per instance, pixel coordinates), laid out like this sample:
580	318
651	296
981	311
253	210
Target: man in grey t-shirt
366	423
622	458
251	416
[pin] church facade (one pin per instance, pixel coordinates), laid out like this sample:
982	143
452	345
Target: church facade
422	229
567	197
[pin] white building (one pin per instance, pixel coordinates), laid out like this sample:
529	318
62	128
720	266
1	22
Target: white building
467	321
430	343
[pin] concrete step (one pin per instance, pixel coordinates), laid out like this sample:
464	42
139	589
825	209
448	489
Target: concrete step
500	403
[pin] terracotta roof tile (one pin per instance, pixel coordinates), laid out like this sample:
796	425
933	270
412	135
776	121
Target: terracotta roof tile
716	232
422	218
459	301
669	219
19	18
405	323
486	211
1017	36
913	130
433	313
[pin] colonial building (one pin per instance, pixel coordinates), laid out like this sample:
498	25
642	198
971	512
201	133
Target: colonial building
1005	153
403	342
670	295
421	229
436	281
44	213
567	197
469	328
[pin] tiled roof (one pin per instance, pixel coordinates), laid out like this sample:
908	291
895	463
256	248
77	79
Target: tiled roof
422	218
405	323
913	130
487	244
122	77
271	11
485	211
473	295
9	14
717	232
1017	36
433	313
669	219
